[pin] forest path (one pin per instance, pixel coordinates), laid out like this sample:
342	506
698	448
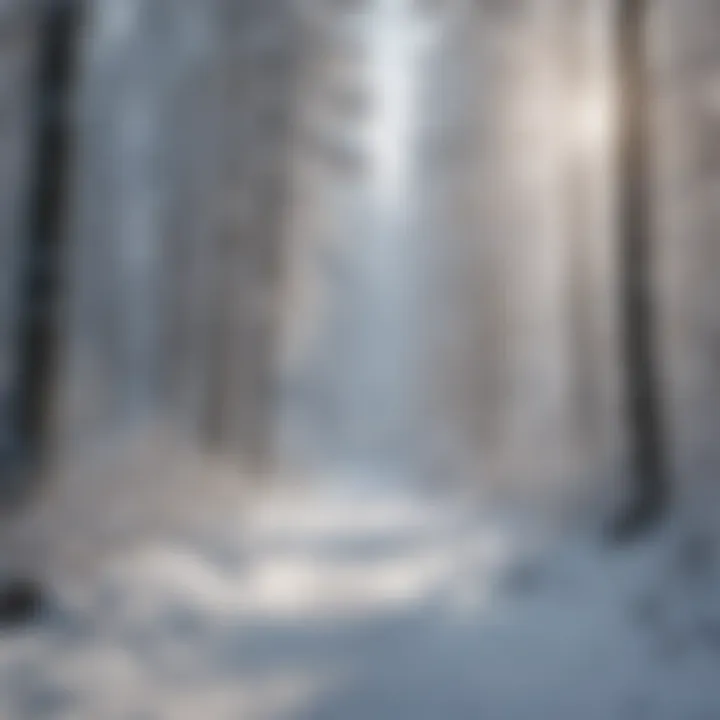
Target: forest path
364	604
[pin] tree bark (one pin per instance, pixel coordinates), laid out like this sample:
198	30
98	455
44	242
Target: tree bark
643	412
35	346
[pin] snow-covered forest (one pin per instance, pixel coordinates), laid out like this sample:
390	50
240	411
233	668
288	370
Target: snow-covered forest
358	359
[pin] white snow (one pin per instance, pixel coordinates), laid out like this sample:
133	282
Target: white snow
380	605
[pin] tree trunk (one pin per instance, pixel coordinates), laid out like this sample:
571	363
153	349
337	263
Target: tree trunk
35	347
642	392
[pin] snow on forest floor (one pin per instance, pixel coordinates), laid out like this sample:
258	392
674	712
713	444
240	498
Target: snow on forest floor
380	605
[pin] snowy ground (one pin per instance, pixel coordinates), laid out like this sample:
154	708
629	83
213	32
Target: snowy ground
376	605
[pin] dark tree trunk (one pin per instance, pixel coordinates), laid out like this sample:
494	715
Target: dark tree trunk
649	492
36	343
